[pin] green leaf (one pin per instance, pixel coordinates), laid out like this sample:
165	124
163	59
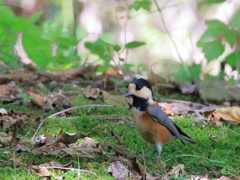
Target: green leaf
138	4
232	58
35	17
102	49
108	38
215	28
231	37
134	44
235	21
20	24
7	17
120	9
215	1
182	76
116	48
213	49
37	48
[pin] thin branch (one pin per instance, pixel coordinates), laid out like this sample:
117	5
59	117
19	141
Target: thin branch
169	35
65	110
121	119
70	169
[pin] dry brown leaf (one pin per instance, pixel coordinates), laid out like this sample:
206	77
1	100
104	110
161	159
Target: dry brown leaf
21	148
3	111
225	113
230	113
119	171
47	142
223	178
92	92
119	149
137	169
88	142
112	72
40	99
169	109
218	91
6	90
74	73
40	171
5	139
177	171
212	137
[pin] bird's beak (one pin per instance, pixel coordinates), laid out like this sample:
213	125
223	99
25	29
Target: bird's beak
129	93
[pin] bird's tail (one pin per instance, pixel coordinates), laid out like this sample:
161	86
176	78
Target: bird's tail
187	138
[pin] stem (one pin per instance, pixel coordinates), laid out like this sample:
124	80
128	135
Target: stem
170	37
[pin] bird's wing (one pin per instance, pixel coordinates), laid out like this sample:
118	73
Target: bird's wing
159	116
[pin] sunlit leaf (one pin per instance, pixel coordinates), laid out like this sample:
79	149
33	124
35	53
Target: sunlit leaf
116	48
20	24
37	48
213	49
138	4
215	28
35	17
232	58
134	44
216	1
231	37
235	21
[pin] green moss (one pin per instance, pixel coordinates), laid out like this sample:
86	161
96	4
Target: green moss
205	156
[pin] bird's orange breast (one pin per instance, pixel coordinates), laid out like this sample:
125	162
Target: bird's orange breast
150	130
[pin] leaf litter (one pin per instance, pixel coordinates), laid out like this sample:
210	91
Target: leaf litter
123	166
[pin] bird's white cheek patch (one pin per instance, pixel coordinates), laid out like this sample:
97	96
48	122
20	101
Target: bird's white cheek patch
129	100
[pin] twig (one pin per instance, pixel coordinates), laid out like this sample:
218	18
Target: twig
60	112
71	169
171	39
121	119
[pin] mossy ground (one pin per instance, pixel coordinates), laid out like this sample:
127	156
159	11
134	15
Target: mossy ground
205	156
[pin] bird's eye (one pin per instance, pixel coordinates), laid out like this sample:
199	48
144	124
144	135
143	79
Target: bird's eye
138	87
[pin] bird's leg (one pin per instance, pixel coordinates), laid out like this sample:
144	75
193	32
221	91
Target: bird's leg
161	163
159	148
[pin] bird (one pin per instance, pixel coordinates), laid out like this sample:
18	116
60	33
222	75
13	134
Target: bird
150	120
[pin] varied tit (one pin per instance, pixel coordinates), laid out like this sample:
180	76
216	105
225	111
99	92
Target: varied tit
152	123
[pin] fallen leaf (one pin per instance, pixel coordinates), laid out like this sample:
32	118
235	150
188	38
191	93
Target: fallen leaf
40	171
169	109
230	113
177	171
3	111
88	142
118	171
5	139
92	92
40	99
21	148
64	138
212	137
6	90
217	91
119	149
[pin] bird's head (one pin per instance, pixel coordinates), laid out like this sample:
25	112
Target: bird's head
140	88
